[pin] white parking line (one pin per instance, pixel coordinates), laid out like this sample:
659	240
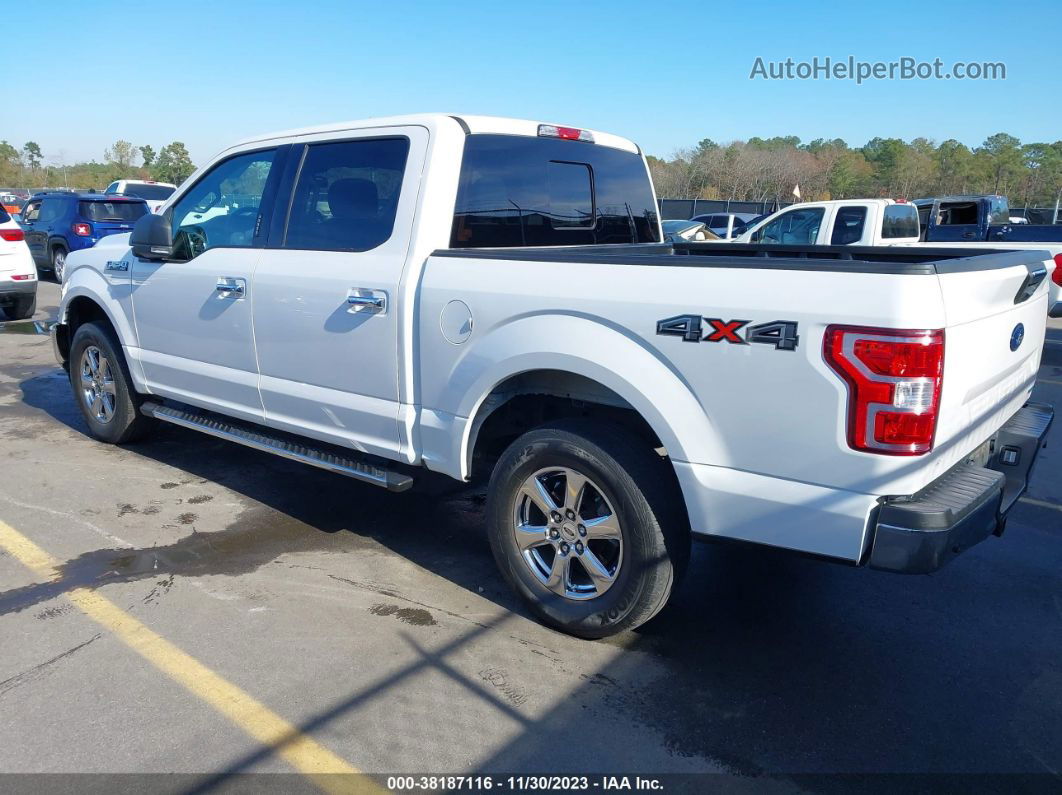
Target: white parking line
1042	503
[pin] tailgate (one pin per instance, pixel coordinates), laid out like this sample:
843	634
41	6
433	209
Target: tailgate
993	341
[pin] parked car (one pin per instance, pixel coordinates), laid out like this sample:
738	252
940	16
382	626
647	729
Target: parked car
878	222
11	204
950	219
681	231
154	193
724	224
394	303
18	276
59	223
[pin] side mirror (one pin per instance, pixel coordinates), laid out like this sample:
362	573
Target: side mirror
152	238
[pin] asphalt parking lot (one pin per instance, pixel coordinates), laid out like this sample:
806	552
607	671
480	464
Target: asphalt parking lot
372	630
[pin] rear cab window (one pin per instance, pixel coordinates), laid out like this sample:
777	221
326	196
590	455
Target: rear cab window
122	211
153	192
523	191
900	220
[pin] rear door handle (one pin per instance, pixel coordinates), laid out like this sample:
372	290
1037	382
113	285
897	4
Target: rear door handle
227	287
361	299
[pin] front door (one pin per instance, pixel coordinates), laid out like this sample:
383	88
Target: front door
326	289
193	314
35	239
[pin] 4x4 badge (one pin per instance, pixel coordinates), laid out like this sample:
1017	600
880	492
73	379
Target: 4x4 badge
782	334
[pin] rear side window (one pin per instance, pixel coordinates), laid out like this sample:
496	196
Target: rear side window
848	226
900	220
522	191
123	211
50	210
346	196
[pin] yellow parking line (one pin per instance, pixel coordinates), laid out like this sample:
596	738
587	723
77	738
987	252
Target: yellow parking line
301	752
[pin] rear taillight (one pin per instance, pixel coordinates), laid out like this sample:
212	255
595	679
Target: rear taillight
82	230
567	133
894	378
1056	276
12	235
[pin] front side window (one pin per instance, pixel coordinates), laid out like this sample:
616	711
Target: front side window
900	220
848	226
794	228
1000	213
346	197
958	214
31	211
517	190
112	188
221	210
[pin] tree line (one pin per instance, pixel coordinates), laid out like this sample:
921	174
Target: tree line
761	169
26	167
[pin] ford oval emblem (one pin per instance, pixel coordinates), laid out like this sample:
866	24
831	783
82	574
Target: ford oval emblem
1017	336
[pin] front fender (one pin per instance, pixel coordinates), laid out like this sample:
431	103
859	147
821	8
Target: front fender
589	347
85	278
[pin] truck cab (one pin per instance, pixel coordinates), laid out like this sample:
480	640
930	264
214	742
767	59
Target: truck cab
973	218
857	222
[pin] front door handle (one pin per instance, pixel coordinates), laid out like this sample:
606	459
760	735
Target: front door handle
362	300
228	287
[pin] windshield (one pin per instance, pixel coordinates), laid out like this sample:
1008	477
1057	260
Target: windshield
153	192
122	211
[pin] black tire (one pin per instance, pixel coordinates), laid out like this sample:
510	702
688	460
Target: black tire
126	423
22	309
641	489
58	262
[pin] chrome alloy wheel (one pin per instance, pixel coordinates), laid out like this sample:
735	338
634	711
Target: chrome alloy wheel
97	384
568	533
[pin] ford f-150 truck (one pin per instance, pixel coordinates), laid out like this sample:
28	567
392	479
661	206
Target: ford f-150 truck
876	222
489	299
948	219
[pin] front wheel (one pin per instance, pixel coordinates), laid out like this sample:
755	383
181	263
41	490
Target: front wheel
102	386
586	523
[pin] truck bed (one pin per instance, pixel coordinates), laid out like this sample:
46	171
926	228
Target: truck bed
897	260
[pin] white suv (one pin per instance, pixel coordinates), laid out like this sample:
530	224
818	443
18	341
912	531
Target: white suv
154	193
18	274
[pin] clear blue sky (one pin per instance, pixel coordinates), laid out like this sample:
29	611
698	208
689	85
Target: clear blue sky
664	74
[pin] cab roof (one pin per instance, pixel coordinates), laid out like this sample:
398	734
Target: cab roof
471	124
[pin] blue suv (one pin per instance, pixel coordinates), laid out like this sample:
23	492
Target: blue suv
58	223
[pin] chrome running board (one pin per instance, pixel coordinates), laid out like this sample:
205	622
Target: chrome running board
259	439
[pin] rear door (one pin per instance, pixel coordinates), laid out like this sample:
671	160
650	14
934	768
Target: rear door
956	221
326	324
193	316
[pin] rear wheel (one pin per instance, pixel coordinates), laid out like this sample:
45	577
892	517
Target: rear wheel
22	309
586	524
102	386
59	263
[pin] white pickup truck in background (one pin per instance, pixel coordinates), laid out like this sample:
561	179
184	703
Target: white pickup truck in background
878	222
488	299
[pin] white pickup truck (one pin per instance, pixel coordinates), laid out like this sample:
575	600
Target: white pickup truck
878	222
487	298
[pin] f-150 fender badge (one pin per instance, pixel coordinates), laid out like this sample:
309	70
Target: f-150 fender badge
116	265
782	334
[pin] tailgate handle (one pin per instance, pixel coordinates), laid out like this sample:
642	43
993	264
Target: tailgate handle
1037	273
